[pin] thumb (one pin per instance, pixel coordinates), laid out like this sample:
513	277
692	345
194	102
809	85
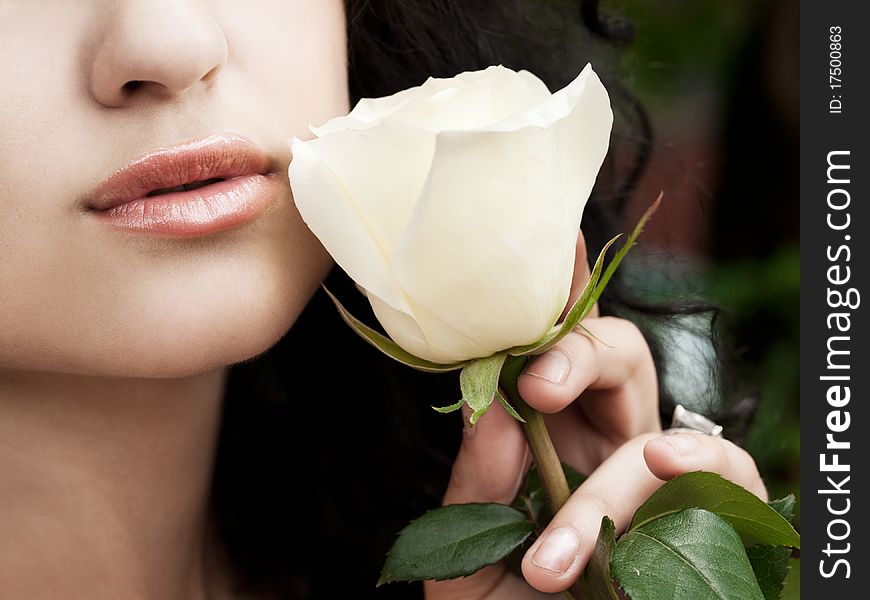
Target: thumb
490	466
492	459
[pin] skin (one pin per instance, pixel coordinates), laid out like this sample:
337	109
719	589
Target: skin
114	346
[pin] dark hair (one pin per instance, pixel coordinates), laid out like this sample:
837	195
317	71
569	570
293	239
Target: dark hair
327	447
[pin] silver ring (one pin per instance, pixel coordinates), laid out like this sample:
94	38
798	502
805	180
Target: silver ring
686	419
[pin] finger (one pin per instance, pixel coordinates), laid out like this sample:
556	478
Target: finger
622	358
490	466
677	453
581	276
615	489
491	462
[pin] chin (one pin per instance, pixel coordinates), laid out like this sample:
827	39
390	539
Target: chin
167	310
181	345
175	323
201	326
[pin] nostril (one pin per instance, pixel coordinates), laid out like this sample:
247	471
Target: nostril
132	86
212	74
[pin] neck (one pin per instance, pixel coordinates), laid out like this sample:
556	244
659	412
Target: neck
104	485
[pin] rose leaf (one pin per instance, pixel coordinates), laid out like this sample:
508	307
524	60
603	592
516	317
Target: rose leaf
455	541
751	517
597	582
771	564
684	555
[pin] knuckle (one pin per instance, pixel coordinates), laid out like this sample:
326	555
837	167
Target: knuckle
629	344
738	464
576	345
640	440
598	504
584	508
744	461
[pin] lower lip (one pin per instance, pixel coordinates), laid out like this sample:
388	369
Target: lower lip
203	211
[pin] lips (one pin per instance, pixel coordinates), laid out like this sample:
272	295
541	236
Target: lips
200	187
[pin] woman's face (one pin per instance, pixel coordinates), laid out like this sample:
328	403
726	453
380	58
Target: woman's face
91	86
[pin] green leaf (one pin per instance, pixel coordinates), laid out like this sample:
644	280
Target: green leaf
479	383
689	555
388	346
791	589
597	582
532	497
455	541
771	563
754	521
784	506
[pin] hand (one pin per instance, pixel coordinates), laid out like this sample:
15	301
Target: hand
616	489
602	413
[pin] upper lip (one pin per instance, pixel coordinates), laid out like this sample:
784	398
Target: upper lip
219	156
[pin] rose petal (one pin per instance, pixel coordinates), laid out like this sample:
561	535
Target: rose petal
453	108
557	106
469	100
444	343
370	111
489	97
335	219
490	247
401	155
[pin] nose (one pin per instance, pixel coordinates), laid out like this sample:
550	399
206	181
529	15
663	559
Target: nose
160	47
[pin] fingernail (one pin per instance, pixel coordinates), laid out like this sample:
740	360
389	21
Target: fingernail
558	550
683	444
552	366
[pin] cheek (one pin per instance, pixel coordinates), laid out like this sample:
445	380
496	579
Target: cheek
298	68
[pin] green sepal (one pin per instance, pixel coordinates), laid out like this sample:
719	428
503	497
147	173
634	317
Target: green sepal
629	244
508	408
479	384
593	336
449	409
388	346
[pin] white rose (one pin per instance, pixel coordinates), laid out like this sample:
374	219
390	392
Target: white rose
456	204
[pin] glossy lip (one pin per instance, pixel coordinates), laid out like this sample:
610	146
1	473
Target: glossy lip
248	188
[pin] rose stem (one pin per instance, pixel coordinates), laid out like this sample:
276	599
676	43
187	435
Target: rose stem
546	459
548	463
